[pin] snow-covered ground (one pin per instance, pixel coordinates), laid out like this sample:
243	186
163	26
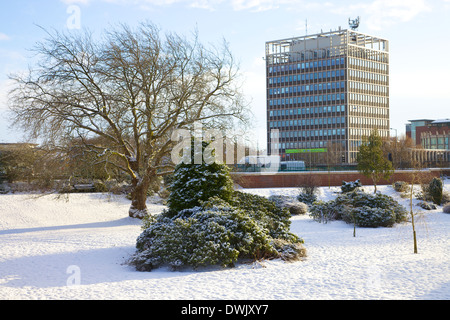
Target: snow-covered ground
76	248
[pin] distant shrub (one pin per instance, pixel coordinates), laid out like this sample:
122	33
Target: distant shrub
401	186
363	209
350	186
298	208
445	197
370	217
306	198
446	208
435	189
427	205
308	190
294	206
324	211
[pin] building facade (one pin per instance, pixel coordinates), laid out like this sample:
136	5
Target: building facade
324	93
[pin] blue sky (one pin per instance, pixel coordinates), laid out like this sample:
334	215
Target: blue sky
417	31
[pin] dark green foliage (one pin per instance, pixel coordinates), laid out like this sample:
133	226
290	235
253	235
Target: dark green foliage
267	213
306	198
435	189
350	186
192	183
324	211
217	233
370	217
363	209
372	162
216	236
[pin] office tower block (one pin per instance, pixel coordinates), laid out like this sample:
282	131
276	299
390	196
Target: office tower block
324	93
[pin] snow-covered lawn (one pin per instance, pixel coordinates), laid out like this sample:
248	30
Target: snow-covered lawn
76	249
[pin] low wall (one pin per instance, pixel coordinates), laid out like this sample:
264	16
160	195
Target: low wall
322	178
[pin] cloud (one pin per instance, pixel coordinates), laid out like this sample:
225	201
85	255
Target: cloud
254	5
380	14
68	2
236	5
4	36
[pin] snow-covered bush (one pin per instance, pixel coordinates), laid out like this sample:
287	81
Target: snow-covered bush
401	186
371	209
378	200
307	198
370	217
446	208
294	206
324	211
427	205
216	236
433	191
298	208
216	233
267	213
350	186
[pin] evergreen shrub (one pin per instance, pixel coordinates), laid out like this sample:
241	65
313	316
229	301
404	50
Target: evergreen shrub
435	190
363	209
350	186
208	223
217	233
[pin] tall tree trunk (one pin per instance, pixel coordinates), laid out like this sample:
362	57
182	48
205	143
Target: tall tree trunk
138	208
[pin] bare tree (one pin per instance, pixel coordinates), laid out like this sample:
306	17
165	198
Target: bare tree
132	88
398	151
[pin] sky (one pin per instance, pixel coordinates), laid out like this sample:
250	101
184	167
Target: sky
417	30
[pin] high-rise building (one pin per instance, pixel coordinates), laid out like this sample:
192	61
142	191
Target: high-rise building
324	93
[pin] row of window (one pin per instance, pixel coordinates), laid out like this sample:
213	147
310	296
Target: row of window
308	65
358	133
364	75
307	111
355	85
307	122
308	88
436	143
301	145
311	133
367	110
367	98
307	76
372	122
367	64
333	98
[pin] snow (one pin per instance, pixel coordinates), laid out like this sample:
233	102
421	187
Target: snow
76	248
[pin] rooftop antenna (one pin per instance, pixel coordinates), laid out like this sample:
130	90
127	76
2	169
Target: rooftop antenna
354	24
306	26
